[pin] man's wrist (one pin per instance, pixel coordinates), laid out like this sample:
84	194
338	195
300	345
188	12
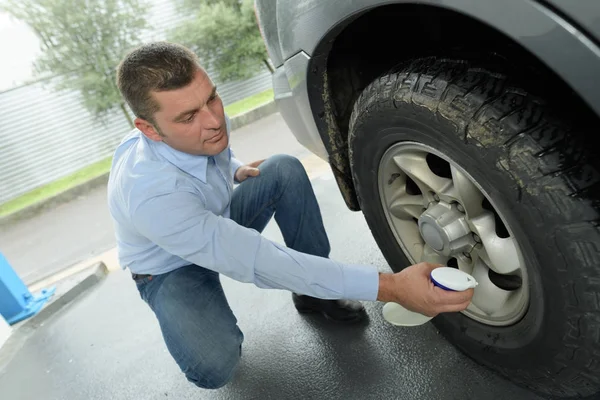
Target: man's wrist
386	287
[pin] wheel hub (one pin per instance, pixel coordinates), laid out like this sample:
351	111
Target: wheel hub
445	229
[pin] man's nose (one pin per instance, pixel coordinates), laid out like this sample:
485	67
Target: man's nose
211	119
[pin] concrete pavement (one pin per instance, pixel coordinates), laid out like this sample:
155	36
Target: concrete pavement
81	229
108	345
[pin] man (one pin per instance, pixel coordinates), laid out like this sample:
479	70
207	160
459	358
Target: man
180	222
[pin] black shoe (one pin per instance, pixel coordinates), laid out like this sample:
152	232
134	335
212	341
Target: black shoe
336	310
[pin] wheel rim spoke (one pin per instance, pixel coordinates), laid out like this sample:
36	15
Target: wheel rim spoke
467	194
483	255
431	256
488	297
500	254
406	206
414	164
464	266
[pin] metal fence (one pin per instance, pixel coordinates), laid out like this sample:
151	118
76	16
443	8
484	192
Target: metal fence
46	135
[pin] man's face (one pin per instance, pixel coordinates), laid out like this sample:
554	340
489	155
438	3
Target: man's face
190	119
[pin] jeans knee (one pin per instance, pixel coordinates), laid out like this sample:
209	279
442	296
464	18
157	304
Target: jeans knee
288	167
216	374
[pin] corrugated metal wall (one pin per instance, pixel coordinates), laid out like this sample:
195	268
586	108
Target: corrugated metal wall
46	135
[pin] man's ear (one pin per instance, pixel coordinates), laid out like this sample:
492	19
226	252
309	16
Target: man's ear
147	129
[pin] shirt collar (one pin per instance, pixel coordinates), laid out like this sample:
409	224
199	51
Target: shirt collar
189	163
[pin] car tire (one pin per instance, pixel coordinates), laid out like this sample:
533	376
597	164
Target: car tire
542	177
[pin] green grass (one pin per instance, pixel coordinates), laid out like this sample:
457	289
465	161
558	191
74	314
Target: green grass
56	187
247	104
101	167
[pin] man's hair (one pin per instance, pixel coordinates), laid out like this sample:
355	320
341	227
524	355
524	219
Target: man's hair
156	67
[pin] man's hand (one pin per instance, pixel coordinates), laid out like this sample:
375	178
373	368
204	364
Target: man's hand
246	171
413	289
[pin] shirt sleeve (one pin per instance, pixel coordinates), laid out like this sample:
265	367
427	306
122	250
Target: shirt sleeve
179	224
234	164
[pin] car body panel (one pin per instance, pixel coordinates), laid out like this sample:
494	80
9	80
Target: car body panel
265	12
583	12
301	25
291	96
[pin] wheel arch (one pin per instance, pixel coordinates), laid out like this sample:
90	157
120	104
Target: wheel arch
352	53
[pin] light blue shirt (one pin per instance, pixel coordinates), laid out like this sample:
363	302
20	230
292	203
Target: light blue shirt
171	209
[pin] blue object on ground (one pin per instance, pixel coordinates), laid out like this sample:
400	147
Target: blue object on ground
16	302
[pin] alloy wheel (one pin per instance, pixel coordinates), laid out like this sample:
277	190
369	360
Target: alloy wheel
440	214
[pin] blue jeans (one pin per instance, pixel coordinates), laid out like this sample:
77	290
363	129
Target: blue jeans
197	324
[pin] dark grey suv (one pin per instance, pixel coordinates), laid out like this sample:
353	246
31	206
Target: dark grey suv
465	130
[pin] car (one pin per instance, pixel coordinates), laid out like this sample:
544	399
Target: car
465	133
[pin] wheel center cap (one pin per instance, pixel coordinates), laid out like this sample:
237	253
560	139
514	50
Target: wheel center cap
432	236
445	229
